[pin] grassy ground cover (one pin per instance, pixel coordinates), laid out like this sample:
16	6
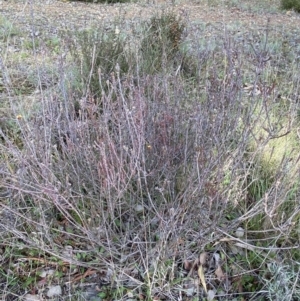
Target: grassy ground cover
154	160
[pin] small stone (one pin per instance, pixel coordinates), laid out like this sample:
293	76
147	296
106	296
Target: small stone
211	295
54	291
139	208
190	291
240	232
29	297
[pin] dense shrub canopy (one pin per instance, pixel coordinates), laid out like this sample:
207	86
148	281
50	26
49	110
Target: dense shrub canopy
291	4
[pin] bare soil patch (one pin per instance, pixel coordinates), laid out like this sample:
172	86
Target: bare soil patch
52	15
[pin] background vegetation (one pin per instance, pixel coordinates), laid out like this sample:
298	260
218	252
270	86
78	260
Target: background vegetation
103	1
291	4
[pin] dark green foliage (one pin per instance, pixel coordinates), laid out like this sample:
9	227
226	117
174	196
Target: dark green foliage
98	52
291	4
160	45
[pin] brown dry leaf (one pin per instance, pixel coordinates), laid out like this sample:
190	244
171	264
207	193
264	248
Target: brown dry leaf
187	265
219	273
193	267
202	258
227	239
202	277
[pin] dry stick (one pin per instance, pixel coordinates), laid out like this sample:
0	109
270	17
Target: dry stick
252	247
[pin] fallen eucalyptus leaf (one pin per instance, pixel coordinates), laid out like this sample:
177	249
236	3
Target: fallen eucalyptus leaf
202	277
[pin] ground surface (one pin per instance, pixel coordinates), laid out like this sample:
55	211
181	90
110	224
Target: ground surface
50	15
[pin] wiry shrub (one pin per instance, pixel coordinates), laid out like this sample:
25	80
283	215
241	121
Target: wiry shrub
139	169
127	178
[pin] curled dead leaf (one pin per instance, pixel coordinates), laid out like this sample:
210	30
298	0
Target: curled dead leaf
193	266
187	265
203	258
219	273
